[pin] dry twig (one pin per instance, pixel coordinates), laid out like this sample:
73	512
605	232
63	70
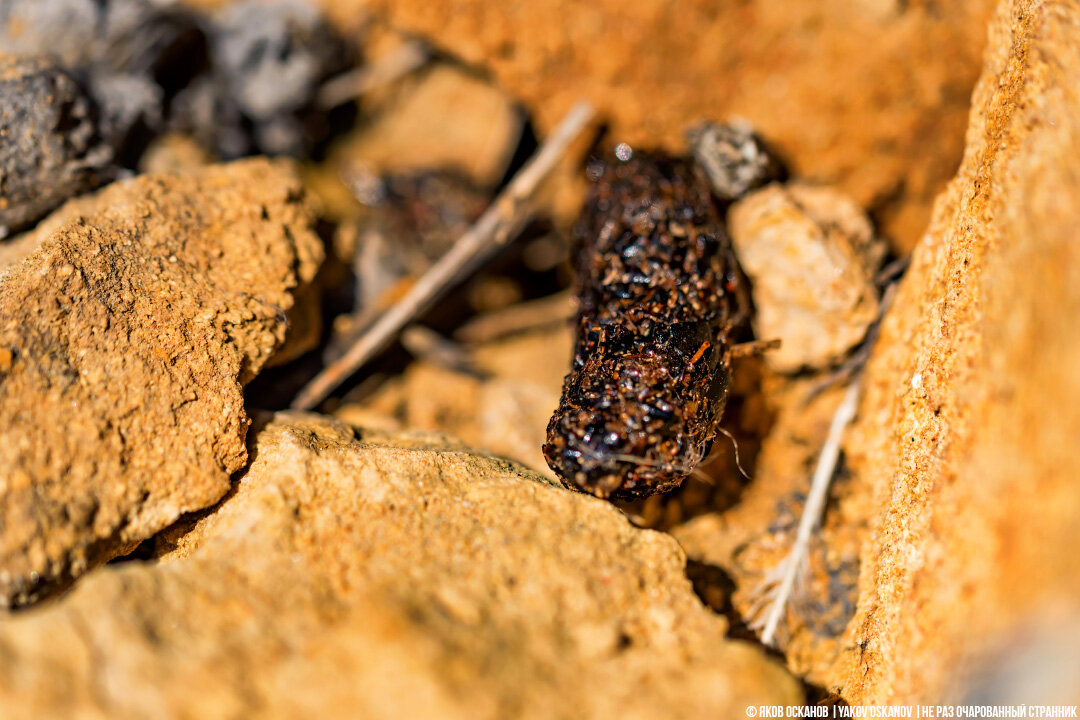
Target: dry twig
494	228
780	583
426	344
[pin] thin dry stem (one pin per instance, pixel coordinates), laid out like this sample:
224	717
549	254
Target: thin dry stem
426	344
735	445
780	584
494	228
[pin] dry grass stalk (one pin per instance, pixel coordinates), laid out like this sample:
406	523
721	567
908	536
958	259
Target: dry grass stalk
780	584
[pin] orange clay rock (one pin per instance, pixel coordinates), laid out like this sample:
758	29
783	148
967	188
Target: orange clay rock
966	438
360	574
125	339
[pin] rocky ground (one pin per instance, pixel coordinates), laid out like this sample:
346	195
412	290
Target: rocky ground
175	544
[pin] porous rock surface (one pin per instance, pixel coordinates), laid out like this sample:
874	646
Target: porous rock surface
966	440
357	574
126	335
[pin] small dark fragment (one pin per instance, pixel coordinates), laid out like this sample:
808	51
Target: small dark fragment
660	295
49	146
734	157
268	60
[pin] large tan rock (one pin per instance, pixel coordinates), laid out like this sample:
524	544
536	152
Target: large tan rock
126	334
352	574
966	441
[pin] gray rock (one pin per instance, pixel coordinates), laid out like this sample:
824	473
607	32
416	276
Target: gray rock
734	157
51	148
267	63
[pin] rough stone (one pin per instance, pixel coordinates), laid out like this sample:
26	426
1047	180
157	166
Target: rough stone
130	54
734	157
49	144
121	36
381	577
129	331
266	63
811	255
243	81
966	440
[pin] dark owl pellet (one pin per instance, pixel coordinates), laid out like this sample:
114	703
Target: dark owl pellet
660	296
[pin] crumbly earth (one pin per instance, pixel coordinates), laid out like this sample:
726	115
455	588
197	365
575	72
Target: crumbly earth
125	339
966	441
358	574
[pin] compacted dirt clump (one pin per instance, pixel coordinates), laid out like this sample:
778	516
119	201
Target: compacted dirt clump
125	339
